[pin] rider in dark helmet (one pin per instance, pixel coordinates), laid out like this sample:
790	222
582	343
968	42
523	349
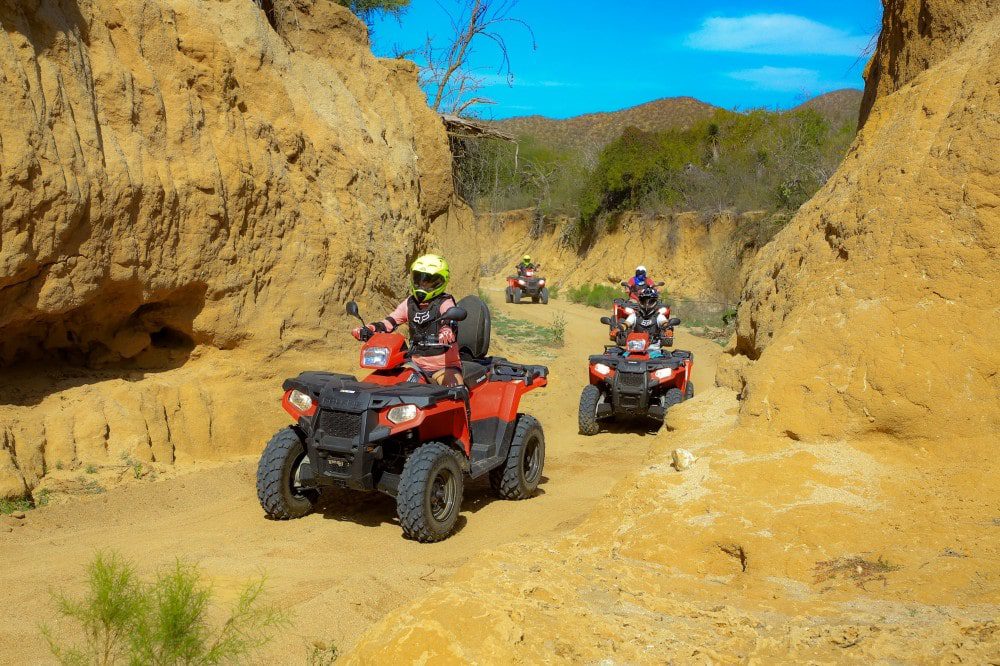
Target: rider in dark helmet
651	315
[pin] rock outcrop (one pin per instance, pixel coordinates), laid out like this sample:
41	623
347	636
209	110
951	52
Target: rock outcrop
183	179
873	311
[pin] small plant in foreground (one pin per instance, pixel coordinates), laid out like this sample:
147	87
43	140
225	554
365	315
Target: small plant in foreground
90	469
123	619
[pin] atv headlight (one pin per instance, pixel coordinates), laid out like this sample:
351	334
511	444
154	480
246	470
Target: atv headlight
541	282
663	373
521	282
636	345
375	357
402	414
300	401
602	369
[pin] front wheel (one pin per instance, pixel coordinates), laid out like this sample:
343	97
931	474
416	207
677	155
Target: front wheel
278	487
516	295
509	295
430	493
519	476
589	400
545	296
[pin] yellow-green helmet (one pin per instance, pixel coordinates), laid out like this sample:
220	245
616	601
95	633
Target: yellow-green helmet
526	259
429	276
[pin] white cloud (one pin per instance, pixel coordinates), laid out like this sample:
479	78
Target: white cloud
775	34
781	79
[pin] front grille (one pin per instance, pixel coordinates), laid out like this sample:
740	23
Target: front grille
632	379
340	424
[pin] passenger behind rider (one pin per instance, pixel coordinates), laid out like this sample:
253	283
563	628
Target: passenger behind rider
433	343
649	309
639	282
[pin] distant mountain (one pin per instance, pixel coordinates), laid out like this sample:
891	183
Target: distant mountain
838	107
591	132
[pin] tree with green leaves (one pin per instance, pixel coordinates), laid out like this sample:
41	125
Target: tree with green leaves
368	10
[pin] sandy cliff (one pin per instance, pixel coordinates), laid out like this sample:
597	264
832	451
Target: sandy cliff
185	194
697	257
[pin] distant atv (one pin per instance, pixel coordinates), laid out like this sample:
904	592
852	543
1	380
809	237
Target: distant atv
619	313
397	433
636	379
527	284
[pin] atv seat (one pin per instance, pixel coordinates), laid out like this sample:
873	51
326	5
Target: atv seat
474	331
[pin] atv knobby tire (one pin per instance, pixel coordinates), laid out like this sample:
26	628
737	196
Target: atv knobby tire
508	295
672	397
519	476
536	298
589	400
516	295
276	478
689	391
545	296
430	493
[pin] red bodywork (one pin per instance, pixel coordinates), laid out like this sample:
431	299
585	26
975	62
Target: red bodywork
448	418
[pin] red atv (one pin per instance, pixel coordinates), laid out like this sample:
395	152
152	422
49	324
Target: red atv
527	283
619	313
397	433
636	379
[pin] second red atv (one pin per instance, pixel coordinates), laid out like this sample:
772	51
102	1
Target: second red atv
527	284
636	379
396	433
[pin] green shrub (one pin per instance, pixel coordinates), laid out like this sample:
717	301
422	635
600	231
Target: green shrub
122	619
9	506
595	295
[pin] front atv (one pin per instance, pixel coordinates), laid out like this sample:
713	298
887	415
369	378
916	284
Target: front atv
634	381
395	433
527	285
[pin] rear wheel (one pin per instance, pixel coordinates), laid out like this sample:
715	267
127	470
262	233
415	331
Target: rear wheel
516	295
519	476
430	493
689	391
545	296
589	400
535	299
279	490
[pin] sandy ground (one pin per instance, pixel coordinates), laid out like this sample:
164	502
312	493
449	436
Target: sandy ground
344	567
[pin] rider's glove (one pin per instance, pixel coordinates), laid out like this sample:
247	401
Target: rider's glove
363	332
446	336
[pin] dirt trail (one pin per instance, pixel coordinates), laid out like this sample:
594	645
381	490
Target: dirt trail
342	568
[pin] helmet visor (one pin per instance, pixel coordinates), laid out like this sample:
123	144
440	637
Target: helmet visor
426	282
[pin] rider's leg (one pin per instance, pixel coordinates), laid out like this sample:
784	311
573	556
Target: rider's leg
450	377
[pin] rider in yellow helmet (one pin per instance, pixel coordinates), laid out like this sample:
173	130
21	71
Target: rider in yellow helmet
433	342
526	264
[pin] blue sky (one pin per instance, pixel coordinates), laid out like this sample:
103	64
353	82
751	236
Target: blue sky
601	56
